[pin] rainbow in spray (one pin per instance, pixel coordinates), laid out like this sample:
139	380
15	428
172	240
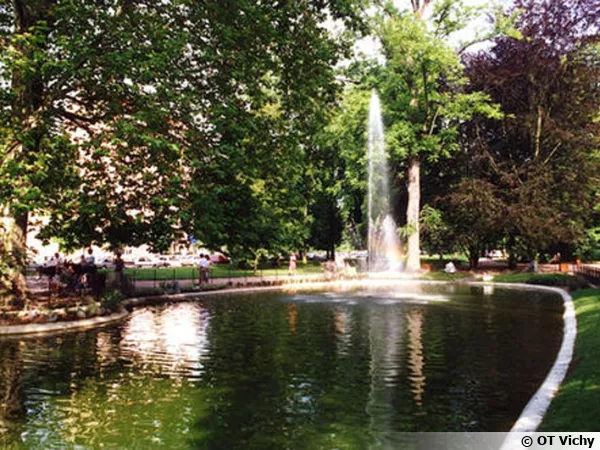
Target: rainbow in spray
384	244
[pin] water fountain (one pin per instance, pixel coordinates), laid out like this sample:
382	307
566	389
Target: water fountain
384	245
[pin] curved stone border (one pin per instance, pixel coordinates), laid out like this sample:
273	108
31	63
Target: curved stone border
528	421
34	329
531	417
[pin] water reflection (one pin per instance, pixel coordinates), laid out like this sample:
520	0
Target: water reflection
172	338
386	333
488	290
292	317
11	390
416	360
345	369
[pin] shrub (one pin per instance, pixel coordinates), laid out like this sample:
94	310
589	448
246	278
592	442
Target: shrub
588	248
170	287
558	279
111	300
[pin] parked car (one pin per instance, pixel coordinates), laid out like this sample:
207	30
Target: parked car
104	262
496	254
219	258
188	260
168	261
163	261
141	262
35	264
316	256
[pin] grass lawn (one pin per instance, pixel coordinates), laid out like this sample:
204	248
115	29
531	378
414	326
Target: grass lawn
577	405
544	279
554	279
443	276
218	271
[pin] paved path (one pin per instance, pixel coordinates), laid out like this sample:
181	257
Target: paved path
39	285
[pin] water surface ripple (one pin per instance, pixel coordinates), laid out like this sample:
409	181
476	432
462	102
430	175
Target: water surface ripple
342	369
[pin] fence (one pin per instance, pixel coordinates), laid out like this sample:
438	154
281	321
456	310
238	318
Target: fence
589	272
161	280
149	281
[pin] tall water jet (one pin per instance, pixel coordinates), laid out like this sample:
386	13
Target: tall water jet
384	245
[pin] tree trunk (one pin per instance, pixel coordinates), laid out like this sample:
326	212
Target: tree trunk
19	254
512	257
413	262
25	114
473	258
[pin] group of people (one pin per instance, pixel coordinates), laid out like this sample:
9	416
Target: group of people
74	276
204	268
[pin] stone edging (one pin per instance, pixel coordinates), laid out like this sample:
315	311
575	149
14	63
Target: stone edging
60	327
533	413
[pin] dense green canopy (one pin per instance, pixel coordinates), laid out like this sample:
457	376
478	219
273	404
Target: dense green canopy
129	121
133	121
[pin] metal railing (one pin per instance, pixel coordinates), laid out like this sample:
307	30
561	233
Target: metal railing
156	281
589	272
168	280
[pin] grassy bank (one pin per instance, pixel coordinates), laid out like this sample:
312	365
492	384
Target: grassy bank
443	276
577	405
543	279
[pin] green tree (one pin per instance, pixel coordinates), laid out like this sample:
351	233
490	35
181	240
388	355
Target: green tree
129	121
253	179
424	96
343	162
437	235
85	120
542	156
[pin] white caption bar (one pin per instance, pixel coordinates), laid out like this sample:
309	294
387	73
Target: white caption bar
491	441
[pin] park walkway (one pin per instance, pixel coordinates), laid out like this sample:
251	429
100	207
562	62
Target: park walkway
40	285
37	285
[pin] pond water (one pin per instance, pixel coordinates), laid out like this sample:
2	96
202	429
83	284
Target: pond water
338	369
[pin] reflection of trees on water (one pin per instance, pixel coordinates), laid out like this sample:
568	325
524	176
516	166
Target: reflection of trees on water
12	410
92	389
296	380
266	373
292	317
416	359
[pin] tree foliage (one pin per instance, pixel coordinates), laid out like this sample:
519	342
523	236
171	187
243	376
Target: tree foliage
541	155
424	95
130	121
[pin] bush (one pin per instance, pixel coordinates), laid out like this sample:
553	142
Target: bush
588	249
170	287
558	279
111	300
551	279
